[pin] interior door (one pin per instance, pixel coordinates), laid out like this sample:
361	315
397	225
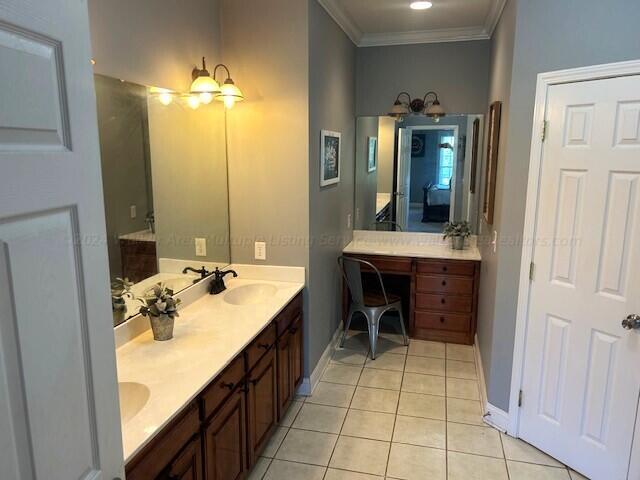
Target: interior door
403	180
59	416
581	378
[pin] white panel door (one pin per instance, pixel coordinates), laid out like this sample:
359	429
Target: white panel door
582	376
59	417
403	178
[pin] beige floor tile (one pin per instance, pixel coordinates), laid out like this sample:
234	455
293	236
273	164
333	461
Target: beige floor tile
420	431
425	365
387	361
346	375
291	414
473	439
360	455
373	425
423	348
457	369
529	471
332	394
281	470
516	449
274	442
375	400
357	341
391	343
462	466
460	388
380	379
409	462
344	356
307	447
427	384
576	476
320	418
333	474
425	406
464	353
464	411
259	469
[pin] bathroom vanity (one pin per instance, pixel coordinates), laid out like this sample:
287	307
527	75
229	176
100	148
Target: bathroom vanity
218	389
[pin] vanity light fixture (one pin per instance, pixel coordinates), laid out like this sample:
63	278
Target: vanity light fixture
229	93
421	5
203	84
405	105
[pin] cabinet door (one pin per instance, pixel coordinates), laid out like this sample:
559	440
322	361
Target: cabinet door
225	440
296	358
188	465
285	376
262	406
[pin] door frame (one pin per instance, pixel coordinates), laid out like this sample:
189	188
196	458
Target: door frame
544	82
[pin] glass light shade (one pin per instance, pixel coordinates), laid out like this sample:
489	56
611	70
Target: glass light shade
398	110
435	110
229	94
206	98
205	84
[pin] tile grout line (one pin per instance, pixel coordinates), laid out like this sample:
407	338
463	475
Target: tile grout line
395	418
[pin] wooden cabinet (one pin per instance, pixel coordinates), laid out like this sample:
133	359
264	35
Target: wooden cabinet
138	259
188	464
262	404
290	359
225	440
285	387
296	359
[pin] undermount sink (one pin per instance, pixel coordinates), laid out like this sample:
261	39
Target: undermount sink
250	294
133	397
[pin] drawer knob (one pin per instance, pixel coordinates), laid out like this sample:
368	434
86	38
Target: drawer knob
229	385
444	283
443	301
444	269
441	319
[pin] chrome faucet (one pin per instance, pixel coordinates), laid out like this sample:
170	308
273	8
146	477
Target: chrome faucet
217	284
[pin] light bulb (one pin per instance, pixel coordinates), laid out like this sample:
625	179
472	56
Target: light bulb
165	98
229	102
193	101
206	98
421	5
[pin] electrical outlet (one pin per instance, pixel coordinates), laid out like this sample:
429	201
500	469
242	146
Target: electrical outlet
261	251
133	210
357	214
348	220
201	247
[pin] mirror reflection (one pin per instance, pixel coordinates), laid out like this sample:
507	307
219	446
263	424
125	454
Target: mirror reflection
417	174
164	176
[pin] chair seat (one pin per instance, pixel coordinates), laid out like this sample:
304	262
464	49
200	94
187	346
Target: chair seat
373	299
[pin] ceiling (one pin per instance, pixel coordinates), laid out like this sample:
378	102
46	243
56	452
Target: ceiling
392	22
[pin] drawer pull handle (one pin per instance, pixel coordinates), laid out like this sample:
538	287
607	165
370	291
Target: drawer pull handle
444	269
443	301
229	385
444	283
243	390
293	330
264	346
442	319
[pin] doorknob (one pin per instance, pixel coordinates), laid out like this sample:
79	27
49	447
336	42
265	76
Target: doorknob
632	322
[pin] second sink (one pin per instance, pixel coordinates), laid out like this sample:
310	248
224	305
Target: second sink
133	397
250	294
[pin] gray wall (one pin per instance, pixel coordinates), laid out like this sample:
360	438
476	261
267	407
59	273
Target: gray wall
550	35
366	183
457	71
331	106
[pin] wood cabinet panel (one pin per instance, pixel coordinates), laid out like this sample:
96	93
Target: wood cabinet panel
444	284
225	441
444	303
188	464
296	357
285	387
443	321
261	345
289	314
262	407
449	267
388	264
223	386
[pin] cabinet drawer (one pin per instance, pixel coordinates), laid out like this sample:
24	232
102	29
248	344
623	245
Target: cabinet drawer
289	314
444	303
446	268
261	345
222	386
444	284
443	321
387	264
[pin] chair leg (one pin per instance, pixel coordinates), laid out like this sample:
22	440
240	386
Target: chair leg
402	327
374	328
346	327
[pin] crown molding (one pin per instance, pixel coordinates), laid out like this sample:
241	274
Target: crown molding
493	17
423	36
343	20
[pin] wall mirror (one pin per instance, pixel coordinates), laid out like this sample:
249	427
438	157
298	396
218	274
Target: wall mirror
164	174
417	174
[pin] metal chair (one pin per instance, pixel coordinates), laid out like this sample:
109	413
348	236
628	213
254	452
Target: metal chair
371	304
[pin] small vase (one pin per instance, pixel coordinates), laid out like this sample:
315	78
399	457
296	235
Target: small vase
457	243
162	327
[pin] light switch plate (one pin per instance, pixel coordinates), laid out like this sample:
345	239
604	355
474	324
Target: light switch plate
348	220
261	251
133	210
495	241
201	247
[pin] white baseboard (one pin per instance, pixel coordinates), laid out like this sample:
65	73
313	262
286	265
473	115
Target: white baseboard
493	416
310	383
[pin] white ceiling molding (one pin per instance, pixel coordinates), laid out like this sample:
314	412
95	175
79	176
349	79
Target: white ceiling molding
361	39
423	36
493	17
342	19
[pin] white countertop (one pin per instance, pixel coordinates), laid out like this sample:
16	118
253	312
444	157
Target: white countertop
141	236
208	334
405	244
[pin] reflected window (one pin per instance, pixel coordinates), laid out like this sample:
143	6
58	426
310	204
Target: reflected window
445	160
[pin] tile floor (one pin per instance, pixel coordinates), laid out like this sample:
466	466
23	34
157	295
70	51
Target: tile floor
414	413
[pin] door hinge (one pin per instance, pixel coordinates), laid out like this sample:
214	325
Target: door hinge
532	270
545	125
520	398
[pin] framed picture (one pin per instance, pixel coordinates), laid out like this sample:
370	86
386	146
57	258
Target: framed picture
372	154
329	158
417	144
493	140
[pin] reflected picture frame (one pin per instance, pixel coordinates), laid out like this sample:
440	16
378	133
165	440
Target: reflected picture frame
372	154
330	143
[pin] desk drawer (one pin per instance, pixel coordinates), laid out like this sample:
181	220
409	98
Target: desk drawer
261	345
289	314
222	386
387	264
444	284
444	267
443	321
444	303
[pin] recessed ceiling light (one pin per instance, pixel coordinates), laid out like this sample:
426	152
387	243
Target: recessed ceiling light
421	5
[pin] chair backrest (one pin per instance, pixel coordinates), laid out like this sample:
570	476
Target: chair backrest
352	274
386	226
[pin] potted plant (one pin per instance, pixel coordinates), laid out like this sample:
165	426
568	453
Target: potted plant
162	309
120	291
457	232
